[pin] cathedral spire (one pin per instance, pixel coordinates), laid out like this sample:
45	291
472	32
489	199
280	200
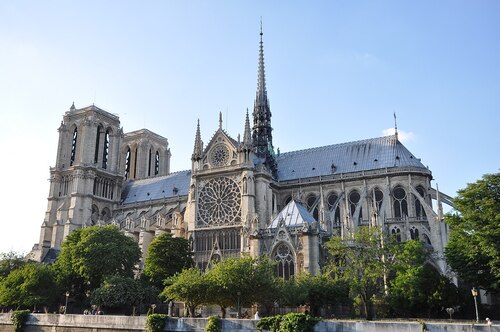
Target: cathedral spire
262	139
198	144
247	135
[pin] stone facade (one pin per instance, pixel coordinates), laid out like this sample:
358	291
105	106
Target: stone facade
240	197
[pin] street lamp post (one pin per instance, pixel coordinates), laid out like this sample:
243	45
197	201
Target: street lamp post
66	304
474	293
238	305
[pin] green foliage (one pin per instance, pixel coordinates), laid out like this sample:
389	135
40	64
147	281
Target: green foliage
321	290
90	255
118	292
271	323
289	322
167	256
473	251
213	324
190	286
156	322
9	262
361	262
19	319
298	323
247	276
31	285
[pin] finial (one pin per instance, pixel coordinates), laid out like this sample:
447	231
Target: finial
261	33
72	108
395	126
220	120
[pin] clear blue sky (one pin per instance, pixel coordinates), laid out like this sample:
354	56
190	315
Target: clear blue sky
336	71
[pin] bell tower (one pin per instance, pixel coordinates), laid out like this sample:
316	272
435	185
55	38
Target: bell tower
85	183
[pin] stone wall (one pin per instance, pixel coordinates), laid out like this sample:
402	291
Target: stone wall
81	323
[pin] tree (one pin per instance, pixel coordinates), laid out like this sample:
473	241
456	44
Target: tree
473	250
243	280
119	292
167	256
29	286
190	286
418	289
9	262
362	262
322	291
90	255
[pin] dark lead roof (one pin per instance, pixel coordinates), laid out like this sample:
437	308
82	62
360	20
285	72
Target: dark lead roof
365	155
174	184
369	154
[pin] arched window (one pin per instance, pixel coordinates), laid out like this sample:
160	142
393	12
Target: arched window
95	214
400	202
354	199
157	163
127	164
396	232
288	200
97	141
379	197
286	266
105	151
334	210
73	146
312	205
414	233
419	208
135	162
149	163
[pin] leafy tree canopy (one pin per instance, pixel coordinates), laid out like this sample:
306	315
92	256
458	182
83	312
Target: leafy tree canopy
91	254
473	250
9	262
190	286
167	256
29	286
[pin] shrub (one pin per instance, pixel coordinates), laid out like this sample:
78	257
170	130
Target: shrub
19	318
271	323
298	323
289	322
213	324
156	322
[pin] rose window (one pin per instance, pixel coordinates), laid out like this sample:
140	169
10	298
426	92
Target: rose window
219	156
219	202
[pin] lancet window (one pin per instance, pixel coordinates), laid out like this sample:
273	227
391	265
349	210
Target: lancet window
400	202
334	210
378	195
396	232
105	151
149	162
419	208
127	164
285	267
312	206
73	146
97	143
414	234
157	163
354	199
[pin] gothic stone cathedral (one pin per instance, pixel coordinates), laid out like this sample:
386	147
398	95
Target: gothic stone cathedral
240	197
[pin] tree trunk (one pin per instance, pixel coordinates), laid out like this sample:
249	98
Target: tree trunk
223	311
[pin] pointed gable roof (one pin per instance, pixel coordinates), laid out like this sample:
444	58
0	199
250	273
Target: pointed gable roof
365	155
293	214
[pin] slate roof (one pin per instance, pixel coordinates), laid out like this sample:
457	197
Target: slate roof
294	215
156	188
369	154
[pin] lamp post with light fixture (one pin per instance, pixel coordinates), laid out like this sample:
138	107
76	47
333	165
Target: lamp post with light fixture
474	294
66	304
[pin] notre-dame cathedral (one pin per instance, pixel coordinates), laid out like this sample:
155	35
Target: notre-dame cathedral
240	197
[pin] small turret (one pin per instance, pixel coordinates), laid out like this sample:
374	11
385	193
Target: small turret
198	144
